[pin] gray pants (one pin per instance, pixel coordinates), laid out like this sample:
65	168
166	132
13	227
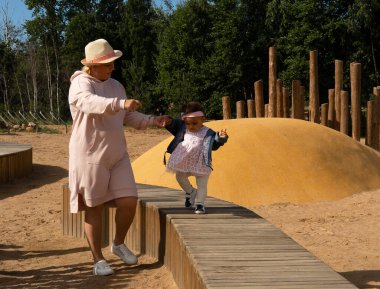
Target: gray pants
183	180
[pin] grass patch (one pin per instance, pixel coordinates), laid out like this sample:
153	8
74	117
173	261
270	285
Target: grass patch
43	129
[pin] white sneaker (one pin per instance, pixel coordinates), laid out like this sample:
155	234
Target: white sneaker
101	268
124	253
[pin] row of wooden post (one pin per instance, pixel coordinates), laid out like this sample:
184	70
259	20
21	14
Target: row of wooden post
335	114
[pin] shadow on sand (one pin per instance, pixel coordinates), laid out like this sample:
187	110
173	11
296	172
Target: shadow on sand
40	176
364	278
74	275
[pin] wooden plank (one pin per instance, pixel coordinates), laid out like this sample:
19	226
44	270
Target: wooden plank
65	210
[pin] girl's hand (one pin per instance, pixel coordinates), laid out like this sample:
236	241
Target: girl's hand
132	105
223	133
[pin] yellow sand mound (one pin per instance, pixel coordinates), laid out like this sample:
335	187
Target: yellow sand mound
277	160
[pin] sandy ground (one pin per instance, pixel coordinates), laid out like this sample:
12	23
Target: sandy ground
345	234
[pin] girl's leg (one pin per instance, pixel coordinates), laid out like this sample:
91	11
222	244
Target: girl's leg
202	189
125	212
190	192
93	230
183	181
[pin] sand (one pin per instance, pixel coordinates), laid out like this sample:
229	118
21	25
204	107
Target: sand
345	234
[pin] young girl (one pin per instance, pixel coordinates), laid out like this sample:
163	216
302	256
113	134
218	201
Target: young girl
191	152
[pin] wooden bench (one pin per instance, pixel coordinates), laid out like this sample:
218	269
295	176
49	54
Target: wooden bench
229	247
15	161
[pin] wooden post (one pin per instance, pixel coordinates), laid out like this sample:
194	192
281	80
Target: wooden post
313	88
297	108
240	109
338	86
302	100
259	99
251	108
376	93
331	113
272	82
266	109
279	106
324	114
285	102
369	139
344	113
355	79
226	107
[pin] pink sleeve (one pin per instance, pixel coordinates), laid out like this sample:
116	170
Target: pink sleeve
138	120
82	96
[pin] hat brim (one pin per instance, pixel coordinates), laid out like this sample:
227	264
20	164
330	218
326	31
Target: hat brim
118	54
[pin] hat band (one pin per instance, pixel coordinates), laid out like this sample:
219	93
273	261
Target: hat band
96	60
193	114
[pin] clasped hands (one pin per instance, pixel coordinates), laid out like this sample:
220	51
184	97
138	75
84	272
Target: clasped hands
132	105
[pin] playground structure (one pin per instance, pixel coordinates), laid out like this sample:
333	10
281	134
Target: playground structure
335	114
15	161
29	121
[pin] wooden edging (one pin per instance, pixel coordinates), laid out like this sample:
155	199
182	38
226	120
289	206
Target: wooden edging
15	161
229	247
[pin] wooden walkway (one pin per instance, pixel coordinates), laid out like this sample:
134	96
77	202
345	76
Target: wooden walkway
229	247
15	161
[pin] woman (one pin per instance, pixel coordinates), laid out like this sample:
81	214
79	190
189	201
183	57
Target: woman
100	172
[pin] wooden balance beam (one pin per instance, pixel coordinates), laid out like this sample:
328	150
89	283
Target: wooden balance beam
229	247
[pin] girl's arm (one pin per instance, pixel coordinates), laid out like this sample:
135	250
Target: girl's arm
174	125
220	139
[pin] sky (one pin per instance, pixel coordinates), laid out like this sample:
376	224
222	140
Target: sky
18	12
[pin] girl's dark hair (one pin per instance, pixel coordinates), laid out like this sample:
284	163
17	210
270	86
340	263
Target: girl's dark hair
192	106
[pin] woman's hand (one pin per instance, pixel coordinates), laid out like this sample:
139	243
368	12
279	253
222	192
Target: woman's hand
132	105
162	120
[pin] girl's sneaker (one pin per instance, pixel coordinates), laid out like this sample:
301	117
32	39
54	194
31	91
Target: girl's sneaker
190	198
101	268
200	209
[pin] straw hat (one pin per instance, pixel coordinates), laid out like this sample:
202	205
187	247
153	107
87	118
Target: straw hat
98	52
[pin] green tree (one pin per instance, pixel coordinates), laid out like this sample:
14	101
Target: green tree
86	23
297	27
140	43
6	75
184	49
45	30
363	24
238	58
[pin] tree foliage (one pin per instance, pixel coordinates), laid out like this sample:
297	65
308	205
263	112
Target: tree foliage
199	50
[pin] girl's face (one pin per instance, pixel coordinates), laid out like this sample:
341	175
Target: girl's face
193	124
102	71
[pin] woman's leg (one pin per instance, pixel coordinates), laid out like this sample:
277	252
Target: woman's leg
93	230
125	212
